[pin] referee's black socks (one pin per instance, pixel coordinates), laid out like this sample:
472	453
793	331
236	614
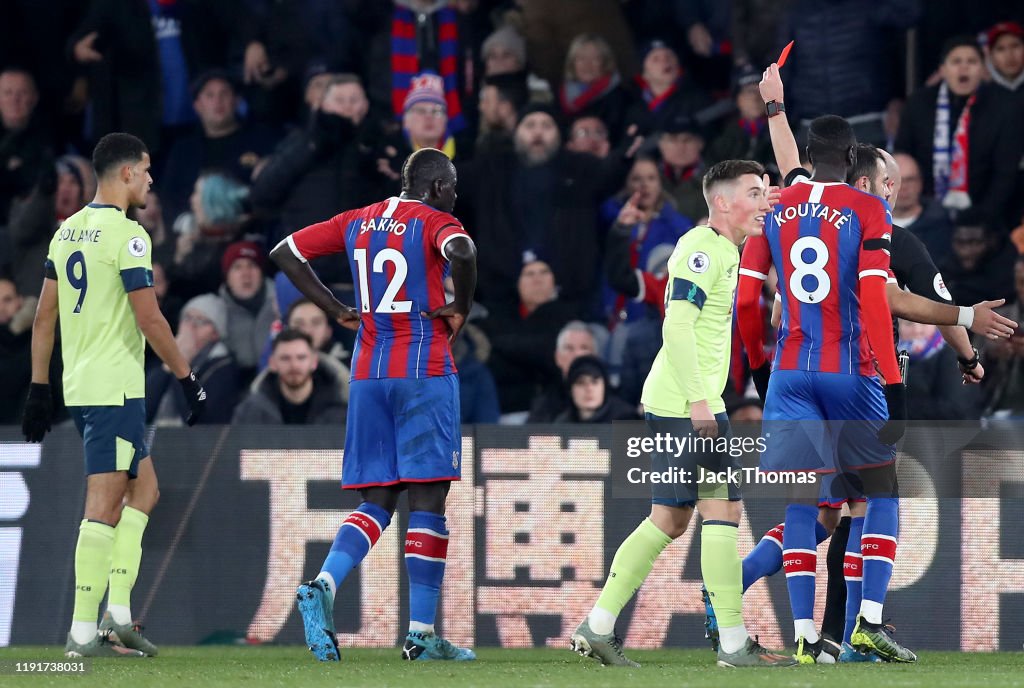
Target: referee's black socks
833	624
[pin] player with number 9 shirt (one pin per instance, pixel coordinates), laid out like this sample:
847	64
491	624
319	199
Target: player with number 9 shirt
403	415
99	281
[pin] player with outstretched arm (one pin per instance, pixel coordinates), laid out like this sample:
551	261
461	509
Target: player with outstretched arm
916	292
825	411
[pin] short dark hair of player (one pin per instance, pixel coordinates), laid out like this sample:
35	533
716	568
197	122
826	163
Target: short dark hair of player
21	71
829	141
962	41
866	165
423	168
290	334
729	171
116	149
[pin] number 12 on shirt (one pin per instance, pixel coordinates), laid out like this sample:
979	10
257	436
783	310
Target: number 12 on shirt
387	302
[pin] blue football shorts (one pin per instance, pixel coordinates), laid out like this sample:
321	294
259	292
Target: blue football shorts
824	422
402	430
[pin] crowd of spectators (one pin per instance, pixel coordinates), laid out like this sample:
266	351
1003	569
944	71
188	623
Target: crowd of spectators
580	130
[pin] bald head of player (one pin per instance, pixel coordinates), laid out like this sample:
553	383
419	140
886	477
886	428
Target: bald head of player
831	148
429	176
121	162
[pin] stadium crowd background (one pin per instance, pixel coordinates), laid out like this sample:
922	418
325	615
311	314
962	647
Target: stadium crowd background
264	116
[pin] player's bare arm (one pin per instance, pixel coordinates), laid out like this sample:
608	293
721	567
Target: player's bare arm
461	255
306	281
979	318
787	154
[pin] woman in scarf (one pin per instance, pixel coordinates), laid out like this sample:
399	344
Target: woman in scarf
592	84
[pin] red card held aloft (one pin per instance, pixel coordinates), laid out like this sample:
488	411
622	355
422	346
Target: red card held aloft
785	54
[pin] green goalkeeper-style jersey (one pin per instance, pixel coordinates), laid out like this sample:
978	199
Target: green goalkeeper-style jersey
97	256
693	362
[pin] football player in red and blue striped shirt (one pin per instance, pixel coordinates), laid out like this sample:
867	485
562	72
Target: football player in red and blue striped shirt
825	410
403	416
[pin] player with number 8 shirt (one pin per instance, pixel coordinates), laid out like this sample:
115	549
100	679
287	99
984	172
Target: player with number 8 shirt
825	411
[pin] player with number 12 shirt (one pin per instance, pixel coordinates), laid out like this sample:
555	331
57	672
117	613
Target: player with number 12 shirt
403	415
395	248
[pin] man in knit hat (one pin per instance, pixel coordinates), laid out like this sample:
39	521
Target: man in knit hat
424	125
249	298
1004	55
203	323
425	114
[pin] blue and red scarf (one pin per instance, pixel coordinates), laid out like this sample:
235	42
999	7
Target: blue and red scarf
405	62
951	155
575	96
752	127
652	101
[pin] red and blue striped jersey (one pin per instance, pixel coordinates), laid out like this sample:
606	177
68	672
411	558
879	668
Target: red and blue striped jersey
823	238
395	249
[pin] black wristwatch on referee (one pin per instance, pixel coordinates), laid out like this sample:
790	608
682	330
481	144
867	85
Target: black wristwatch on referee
969	364
774	107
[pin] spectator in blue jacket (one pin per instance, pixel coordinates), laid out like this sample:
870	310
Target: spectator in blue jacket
646	213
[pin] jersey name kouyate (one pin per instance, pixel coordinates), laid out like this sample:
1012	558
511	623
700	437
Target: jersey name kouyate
823	238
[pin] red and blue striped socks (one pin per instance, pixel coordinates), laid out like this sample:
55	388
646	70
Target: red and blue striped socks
426	550
878	549
357	534
766	557
800	562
